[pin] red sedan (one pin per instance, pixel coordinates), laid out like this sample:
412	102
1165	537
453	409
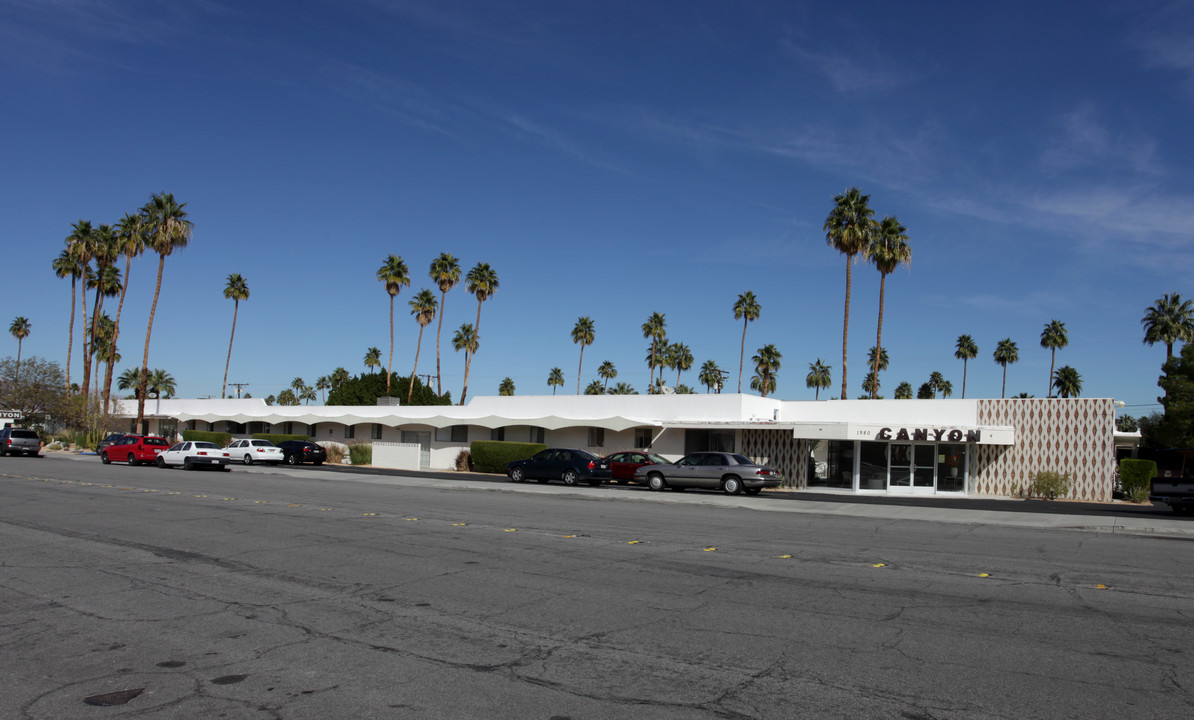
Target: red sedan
134	449
623	464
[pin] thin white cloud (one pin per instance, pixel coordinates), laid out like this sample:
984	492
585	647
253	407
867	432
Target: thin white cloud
866	70
1083	140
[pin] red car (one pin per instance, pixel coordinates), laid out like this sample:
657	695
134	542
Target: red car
134	449
623	464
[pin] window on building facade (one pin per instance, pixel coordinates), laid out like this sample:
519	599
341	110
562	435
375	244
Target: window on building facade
708	441
596	437
498	434
350	431
642	438
872	466
536	435
376	433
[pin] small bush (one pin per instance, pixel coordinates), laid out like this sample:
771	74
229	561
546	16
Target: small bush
1136	477
464	461
336	452
361	454
219	438
492	456
1050	484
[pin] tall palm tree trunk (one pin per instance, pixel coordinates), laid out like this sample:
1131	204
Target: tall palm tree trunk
439	328
70	340
86	345
879	337
468	358
93	357
846	321
418	349
143	383
116	332
390	364
1003	388
1052	360
965	362
228	361
580	365
741	354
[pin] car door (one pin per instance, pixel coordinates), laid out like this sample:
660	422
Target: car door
538	465
686	472
712	468
621	467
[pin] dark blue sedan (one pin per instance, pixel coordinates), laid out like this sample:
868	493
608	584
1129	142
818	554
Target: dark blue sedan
569	466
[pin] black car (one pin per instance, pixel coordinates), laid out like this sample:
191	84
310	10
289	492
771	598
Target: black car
295	452
570	466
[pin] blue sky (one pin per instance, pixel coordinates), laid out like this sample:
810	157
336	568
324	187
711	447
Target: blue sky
610	159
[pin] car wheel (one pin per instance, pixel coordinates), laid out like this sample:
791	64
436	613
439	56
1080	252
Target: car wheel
751	491
655	482
104	458
731	486
292	460
517	475
248	459
186	464
160	462
570	477
133	460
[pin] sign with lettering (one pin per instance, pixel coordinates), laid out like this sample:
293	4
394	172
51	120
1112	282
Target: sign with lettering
922	434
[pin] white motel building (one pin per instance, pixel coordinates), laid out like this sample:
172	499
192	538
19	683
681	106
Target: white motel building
933	447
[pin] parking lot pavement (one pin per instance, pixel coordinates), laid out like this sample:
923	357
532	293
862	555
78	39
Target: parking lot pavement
1118	517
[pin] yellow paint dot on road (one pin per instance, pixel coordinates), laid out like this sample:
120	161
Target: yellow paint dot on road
569	536
510	530
1100	586
174	492
200	496
459	524
294	506
710	549
325	508
369	514
984	574
410	519
229	498
633	542
879	565
785	557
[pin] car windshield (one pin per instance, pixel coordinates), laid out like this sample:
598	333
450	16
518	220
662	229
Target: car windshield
157	441
24	434
207	445
742	460
657	459
261	443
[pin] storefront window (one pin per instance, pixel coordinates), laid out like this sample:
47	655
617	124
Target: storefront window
839	465
872	466
951	468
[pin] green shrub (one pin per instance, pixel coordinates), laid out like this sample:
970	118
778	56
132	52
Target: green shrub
361	454
219	438
492	456
1050	484
276	438
1136	477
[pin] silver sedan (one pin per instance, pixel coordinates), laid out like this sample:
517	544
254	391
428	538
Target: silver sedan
730	472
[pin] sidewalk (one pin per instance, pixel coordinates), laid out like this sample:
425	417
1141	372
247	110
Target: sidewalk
1117	517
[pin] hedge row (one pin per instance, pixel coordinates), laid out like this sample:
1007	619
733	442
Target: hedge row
1136	476
492	456
219	438
276	438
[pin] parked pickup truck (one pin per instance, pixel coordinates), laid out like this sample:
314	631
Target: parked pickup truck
1174	483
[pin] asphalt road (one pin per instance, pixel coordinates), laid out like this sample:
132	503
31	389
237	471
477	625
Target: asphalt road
303	593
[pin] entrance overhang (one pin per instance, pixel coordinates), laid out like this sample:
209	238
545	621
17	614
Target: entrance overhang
975	435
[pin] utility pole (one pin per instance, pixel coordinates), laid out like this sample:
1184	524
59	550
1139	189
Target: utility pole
238	386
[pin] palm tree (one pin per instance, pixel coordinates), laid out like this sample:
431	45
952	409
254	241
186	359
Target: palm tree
937	382
372	359
1169	320
877	359
445	273
130	242
67	265
819	377
130	379
104	251
160	383
506	388
106	283
1068	382
423	307
746	309
297	385
19	329
81	246
323	383
606	371
680	359
655	329
903	391
105	351
340	376
946	387
236	290
849	229
710	376
623	388
168	229
481	281
393	275
767	364
582	334
1006	353
1053	337
555	379
965	350
870	386
889	248
465	339
594	388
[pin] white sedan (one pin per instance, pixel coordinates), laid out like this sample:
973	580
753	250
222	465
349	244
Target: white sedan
194	454
255	451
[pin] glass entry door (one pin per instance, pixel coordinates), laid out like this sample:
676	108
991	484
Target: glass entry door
912	468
